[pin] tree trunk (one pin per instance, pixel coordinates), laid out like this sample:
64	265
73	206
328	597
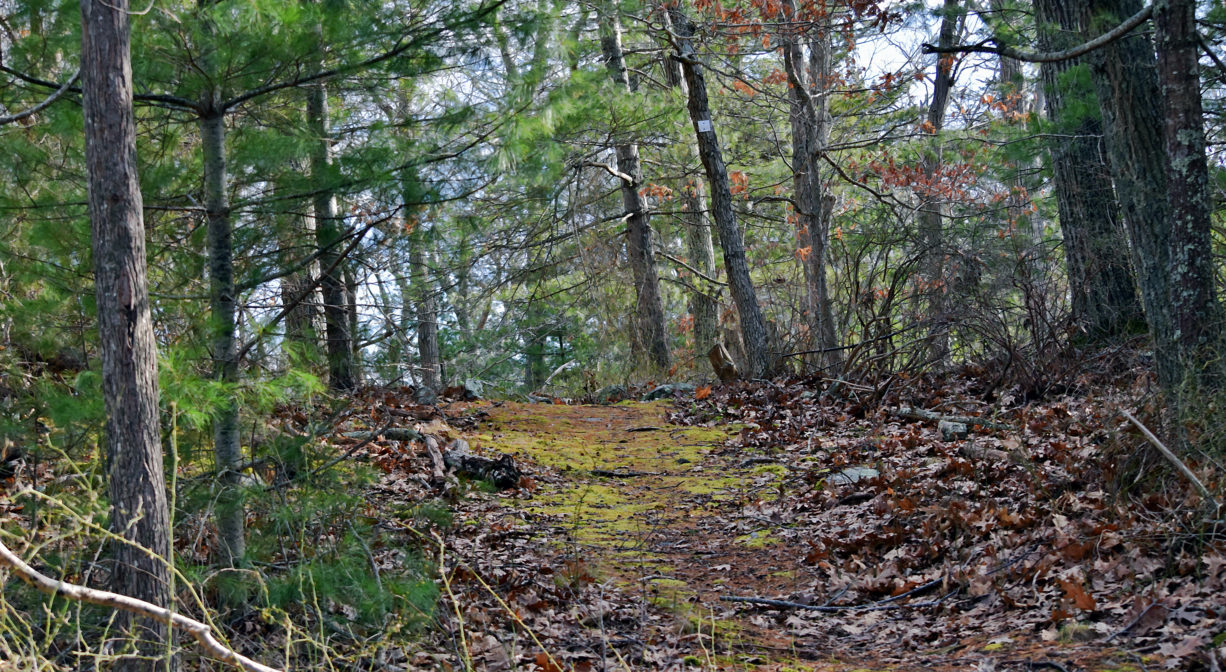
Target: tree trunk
328	230
649	309
1193	302
931	209
304	323
1104	296
137	487
351	315
223	304
1124	74
427	311
753	326
700	248
809	113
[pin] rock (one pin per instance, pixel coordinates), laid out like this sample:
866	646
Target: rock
426	396
721	361
471	390
852	475
610	394
952	431
668	390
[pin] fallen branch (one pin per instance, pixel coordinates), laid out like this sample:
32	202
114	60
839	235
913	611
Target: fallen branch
784	604
606	473
920	414
201	632
389	433
1173	459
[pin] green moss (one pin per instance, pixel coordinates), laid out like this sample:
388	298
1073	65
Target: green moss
758	539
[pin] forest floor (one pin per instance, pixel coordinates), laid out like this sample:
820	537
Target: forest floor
887	547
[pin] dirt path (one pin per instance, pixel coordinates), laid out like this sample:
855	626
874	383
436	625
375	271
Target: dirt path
649	525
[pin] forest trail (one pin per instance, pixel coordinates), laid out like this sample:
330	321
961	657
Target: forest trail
628	531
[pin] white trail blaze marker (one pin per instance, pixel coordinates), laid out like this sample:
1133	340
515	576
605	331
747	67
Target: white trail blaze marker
704	126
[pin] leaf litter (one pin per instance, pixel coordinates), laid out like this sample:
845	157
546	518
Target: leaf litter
851	537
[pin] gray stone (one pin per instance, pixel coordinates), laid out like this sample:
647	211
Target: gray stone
952	431
610	394
668	390
427	396
852	475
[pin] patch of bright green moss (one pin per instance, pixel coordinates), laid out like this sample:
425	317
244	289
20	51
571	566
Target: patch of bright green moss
757	540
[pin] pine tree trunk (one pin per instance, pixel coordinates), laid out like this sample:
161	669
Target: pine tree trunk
328	230
699	246
649	309
811	126
351	316
753	326
1104	297
931	208
427	312
1194	308
223	303
136	484
304	322
1124	74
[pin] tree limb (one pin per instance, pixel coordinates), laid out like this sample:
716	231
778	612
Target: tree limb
41	106
1046	56
1173	459
201	632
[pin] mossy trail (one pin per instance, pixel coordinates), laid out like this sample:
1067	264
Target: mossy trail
675	518
645	503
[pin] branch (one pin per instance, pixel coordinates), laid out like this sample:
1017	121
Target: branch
1173	459
1046	56
41	106
610	170
201	632
171	101
400	48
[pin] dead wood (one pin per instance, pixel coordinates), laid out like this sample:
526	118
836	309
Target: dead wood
502	471
201	632
968	420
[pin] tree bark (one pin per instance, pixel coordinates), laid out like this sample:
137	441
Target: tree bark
427	311
809	113
649	309
227	450
1195	313
136	484
931	208
1104	297
304	323
699	246
328	230
753	326
1124	74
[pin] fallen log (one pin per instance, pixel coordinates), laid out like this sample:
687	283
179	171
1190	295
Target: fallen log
968	420
502	471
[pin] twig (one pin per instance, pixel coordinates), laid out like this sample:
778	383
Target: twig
371	436
1133	623
201	632
1173	459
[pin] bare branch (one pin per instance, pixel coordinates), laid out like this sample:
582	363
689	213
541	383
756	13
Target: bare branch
201	632
1046	56
41	106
